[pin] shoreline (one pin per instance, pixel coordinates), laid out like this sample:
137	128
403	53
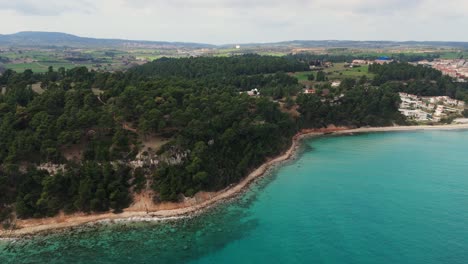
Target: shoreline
199	203
401	128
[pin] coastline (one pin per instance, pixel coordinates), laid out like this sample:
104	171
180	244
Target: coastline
401	128
192	206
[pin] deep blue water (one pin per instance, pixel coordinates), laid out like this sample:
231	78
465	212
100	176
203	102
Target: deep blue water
371	198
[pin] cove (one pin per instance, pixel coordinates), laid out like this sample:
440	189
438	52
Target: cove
399	197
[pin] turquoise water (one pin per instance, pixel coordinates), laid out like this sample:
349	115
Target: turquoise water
371	198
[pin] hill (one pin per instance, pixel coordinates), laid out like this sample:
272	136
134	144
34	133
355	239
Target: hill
358	44
57	39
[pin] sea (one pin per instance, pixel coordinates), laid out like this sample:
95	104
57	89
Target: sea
394	197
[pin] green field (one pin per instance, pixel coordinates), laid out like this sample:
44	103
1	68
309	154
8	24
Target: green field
111	59
273	53
339	72
39	60
453	55
42	66
302	76
35	67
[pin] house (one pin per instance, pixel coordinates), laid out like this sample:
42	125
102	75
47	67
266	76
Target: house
253	92
423	62
450	72
336	84
310	91
439	111
430	106
383	60
359	62
415	114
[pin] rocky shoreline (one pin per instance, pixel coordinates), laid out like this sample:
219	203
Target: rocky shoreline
198	204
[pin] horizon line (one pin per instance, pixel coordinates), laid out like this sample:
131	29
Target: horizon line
245	43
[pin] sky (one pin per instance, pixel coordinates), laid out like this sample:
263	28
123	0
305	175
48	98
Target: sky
241	21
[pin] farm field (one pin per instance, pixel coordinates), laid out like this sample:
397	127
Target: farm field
115	59
39	60
41	67
339	72
303	76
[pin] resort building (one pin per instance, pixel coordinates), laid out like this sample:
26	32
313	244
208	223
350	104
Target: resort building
429	108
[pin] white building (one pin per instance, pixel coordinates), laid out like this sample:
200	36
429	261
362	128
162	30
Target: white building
415	114
253	92
336	84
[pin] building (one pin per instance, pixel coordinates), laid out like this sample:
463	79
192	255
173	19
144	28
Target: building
336	84
383	60
310	91
423	62
429	108
415	114
253	92
359	62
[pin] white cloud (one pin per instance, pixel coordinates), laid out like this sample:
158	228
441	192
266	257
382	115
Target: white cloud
47	7
214	4
235	21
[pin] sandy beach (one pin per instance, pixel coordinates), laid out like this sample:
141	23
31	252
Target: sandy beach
144	210
401	128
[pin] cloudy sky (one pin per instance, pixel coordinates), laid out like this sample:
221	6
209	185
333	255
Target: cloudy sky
241	21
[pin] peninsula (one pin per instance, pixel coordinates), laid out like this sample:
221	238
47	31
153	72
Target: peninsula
172	137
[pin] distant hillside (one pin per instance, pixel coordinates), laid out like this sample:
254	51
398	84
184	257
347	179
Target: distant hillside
357	44
34	39
56	39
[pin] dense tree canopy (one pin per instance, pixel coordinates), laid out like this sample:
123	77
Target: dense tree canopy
317	59
216	134
419	80
218	67
92	124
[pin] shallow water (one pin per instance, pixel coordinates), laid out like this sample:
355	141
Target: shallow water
372	198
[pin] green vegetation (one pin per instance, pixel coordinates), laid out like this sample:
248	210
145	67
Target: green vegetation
341	71
418	80
303	75
24	66
358	106
40	59
337	71
453	54
346	55
215	133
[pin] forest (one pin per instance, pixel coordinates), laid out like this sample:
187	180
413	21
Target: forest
216	133
419	80
220	133
317	59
